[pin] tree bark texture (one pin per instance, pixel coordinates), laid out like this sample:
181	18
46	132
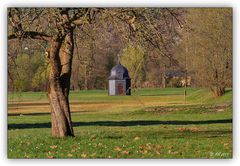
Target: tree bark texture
61	53
218	91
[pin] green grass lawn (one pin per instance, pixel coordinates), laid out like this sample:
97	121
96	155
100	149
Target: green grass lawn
152	123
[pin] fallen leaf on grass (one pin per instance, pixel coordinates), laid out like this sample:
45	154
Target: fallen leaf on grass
50	157
220	110
93	137
84	155
157	152
26	156
125	152
172	152
144	151
225	144
73	150
69	155
141	147
117	148
136	138
158	147
74	146
53	146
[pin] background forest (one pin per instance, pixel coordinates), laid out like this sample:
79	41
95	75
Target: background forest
161	47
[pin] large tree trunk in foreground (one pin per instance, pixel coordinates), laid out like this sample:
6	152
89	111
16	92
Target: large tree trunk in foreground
59	84
61	54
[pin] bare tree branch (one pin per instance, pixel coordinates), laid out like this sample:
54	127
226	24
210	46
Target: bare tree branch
31	34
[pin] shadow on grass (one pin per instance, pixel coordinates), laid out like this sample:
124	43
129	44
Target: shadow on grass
161	95
228	91
120	123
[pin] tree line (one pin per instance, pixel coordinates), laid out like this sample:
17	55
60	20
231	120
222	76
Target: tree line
59	49
102	44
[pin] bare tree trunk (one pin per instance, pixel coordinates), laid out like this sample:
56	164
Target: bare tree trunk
164	77
185	91
218	91
86	78
59	84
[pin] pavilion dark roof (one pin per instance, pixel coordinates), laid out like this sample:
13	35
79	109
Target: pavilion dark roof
119	72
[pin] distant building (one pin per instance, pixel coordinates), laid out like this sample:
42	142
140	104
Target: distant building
119	82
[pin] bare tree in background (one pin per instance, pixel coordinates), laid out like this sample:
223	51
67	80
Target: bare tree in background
207	42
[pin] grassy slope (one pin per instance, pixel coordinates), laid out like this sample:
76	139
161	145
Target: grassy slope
193	94
99	101
128	133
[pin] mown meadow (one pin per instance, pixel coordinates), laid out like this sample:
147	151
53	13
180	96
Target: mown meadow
152	123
